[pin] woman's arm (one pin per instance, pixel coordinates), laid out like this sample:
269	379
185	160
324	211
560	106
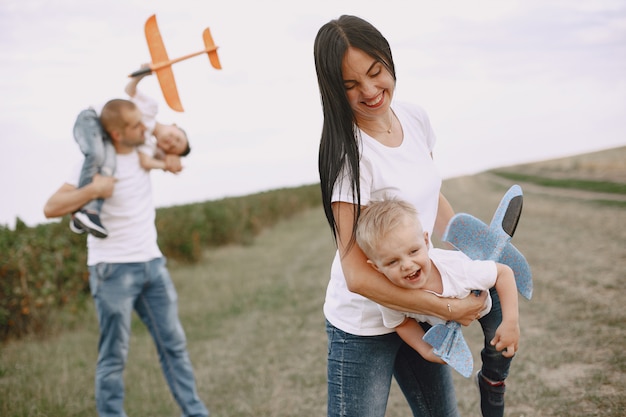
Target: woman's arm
364	280
444	214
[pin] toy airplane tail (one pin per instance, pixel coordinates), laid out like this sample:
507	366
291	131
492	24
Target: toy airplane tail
449	344
479	241
211	49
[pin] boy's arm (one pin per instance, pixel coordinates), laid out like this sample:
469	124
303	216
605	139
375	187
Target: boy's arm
148	162
508	333
131	87
170	163
412	333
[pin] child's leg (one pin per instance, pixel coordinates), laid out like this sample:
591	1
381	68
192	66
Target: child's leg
495	367
99	154
88	133
98	149
107	168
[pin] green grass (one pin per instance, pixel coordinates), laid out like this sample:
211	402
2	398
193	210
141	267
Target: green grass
568	183
255	327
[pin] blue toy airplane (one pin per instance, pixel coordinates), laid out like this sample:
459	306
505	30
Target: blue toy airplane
479	241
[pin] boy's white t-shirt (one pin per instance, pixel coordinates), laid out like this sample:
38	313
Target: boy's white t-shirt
128	215
149	109
406	172
459	275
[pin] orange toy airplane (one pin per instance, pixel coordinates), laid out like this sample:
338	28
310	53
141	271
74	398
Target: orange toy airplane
162	65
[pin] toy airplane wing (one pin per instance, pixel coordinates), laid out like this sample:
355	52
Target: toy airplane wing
165	75
523	278
479	241
464	232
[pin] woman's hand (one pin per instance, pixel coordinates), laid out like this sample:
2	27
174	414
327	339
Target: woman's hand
466	310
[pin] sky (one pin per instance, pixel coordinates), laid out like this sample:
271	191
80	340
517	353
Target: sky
504	82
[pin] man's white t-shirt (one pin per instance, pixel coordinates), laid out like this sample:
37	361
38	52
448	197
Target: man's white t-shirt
128	215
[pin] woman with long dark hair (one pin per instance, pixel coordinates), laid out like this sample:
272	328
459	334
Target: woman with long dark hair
371	147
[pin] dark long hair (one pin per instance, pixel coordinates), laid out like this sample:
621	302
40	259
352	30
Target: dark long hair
339	148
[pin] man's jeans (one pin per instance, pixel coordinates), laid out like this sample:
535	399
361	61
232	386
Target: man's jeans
147	288
98	149
360	370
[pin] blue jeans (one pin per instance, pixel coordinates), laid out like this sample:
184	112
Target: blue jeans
495	366
360	370
98	149
147	288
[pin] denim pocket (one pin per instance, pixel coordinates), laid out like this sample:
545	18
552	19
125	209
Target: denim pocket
97	274
335	337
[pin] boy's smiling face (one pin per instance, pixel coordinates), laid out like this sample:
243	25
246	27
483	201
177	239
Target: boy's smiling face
403	256
172	140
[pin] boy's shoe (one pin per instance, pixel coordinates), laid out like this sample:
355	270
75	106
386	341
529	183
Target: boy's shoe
491	396
75	227
91	223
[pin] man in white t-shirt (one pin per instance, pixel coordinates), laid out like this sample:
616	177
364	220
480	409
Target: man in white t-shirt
162	149
127	269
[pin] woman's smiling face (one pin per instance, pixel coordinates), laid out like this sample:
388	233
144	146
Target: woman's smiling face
369	85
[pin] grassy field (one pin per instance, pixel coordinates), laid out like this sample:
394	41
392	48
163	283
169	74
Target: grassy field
254	322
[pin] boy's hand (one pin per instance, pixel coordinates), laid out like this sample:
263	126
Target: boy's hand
507	339
144	66
173	164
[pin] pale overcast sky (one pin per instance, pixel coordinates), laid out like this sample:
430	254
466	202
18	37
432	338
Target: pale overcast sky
503	82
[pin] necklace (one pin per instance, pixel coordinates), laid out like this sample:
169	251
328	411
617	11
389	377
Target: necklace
388	130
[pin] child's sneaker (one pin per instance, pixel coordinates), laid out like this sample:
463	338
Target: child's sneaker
91	223
491	395
75	227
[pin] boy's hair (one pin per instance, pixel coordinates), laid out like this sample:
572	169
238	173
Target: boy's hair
188	148
111	114
378	219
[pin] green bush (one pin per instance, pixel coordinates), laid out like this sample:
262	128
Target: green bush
43	268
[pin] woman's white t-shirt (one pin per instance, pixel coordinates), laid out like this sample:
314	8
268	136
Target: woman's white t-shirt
406	172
